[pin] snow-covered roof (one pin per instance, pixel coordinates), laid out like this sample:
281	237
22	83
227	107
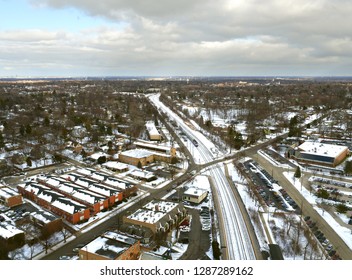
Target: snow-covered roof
117	183
150	125
68	205
193	191
153	212
8	230
103	190
137	153
161	206
115	165
7	192
44	218
152	146
97	155
142	174
318	148
146	216
110	245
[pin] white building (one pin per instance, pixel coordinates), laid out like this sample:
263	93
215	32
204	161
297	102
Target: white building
195	195
153	133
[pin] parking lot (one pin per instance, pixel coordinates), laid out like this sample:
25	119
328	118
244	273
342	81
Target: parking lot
268	189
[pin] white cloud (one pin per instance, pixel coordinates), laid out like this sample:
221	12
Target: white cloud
193	37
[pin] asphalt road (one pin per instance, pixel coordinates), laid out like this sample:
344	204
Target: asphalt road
199	241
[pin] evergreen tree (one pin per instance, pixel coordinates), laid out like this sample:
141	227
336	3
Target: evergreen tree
298	172
29	161
348	167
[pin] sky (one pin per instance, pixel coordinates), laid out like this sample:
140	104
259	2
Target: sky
175	38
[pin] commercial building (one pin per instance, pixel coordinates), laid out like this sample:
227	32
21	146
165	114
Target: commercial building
137	157
148	154
153	133
111	246
116	166
68	209
159	216
320	153
10	235
156	148
10	197
195	195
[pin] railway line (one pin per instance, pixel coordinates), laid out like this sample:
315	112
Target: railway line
235	234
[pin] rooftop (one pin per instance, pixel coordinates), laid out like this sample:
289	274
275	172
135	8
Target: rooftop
137	153
194	191
7	192
110	245
153	212
150	125
115	165
8	230
318	148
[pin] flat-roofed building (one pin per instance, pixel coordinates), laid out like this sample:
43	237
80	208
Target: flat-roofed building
137	157
143	157
10	197
195	195
321	153
116	166
111	246
10	235
70	210
153	133
143	175
159	216
156	148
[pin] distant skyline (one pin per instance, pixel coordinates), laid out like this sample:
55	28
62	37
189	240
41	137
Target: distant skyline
48	38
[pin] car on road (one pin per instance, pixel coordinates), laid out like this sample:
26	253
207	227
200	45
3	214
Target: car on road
77	248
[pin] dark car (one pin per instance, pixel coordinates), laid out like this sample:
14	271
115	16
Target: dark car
332	252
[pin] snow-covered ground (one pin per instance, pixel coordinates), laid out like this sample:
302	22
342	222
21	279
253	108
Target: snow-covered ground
272	226
58	239
343	232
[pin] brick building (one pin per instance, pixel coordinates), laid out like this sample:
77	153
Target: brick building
111	246
10	197
159	216
66	208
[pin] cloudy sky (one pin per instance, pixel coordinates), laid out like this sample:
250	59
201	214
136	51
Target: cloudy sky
175	37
